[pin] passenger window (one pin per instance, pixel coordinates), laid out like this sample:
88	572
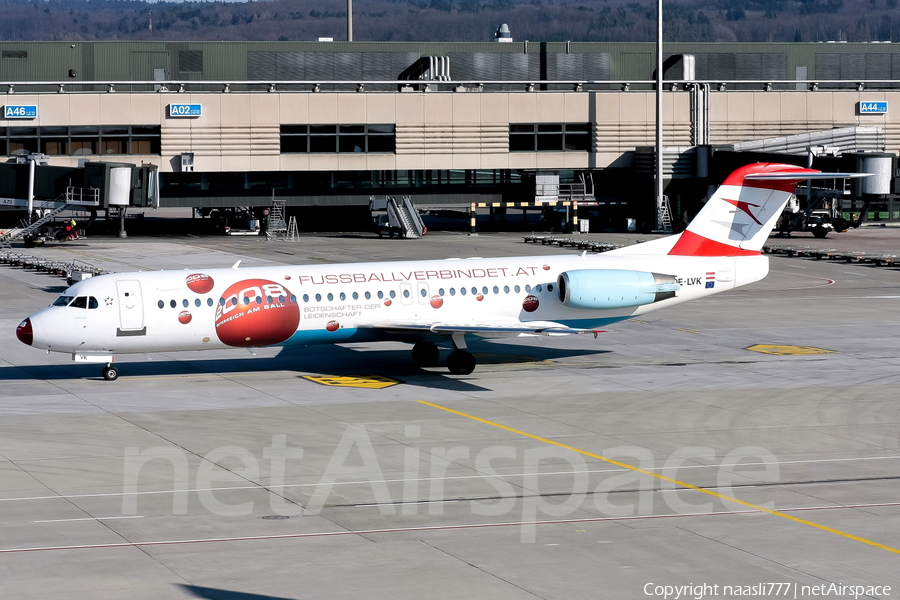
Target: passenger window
209	301
406	293
474	290
330	296
393	294
496	290
538	288
380	295
293	299
517	289
185	303
549	287
318	297
462	291
368	296
306	297
281	299
452	291
92	302
259	299
196	301
62	301
423	292
172	303
355	296
484	290
269	299
343	296
221	301
160	304
440	291
79	302
505	289
527	289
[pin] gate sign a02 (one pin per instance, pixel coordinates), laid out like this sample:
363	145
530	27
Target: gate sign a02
185	110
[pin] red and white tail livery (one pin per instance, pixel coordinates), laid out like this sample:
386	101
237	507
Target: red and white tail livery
428	303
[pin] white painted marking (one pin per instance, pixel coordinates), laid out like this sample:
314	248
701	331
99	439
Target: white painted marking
88	519
461	477
427	528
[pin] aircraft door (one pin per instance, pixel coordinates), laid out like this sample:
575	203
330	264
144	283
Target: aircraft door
405	294
131	306
422	293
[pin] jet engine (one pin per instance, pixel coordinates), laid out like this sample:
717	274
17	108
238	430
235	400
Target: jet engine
612	288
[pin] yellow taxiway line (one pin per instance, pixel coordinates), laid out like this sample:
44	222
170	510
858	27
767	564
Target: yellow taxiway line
617	463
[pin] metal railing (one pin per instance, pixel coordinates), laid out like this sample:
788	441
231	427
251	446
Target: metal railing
468	85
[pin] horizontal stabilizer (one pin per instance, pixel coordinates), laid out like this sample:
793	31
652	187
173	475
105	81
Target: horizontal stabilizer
795	176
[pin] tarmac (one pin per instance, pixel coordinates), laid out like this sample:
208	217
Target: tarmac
742	445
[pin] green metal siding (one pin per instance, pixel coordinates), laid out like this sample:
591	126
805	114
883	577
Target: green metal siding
103	61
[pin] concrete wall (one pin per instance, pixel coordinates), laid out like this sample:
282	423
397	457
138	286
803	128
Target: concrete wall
445	130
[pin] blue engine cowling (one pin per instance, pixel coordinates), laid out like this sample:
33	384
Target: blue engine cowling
612	288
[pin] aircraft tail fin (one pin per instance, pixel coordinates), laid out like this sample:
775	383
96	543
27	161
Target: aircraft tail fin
740	215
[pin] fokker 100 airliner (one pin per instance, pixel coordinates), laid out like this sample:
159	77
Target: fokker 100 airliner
422	302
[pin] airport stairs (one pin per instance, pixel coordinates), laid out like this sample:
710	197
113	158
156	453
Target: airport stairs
402	213
278	227
74	197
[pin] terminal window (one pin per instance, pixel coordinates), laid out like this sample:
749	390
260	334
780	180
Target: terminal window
338	138
81	140
549	137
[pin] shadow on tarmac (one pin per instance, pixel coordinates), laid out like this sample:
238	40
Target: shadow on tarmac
218	594
329	361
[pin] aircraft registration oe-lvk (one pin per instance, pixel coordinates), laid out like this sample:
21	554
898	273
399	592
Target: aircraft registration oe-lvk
422	302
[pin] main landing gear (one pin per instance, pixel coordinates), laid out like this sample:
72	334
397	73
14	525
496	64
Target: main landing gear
460	362
110	373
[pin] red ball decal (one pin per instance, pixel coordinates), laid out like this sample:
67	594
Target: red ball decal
199	283
252	324
437	301
546	267
288	277
184	317
530	303
332	326
479	297
387	302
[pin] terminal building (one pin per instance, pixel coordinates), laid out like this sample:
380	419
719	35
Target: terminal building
325	126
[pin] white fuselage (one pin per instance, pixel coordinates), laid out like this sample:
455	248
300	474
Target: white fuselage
306	304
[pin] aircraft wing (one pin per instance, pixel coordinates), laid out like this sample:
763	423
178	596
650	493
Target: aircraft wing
510	327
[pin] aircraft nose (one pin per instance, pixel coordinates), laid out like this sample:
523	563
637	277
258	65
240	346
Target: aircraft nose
24	332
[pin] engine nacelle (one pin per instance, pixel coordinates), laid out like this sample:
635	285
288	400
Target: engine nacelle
613	288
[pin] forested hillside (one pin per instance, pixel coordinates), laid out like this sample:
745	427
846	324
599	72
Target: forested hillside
452	20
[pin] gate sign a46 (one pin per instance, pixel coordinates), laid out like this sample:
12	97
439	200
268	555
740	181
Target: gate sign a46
20	111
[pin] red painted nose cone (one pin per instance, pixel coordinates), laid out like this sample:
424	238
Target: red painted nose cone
24	332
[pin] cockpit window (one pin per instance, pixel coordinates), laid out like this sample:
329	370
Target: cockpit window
63	301
92	302
80	302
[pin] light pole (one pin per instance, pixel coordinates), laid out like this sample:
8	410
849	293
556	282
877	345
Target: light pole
659	112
